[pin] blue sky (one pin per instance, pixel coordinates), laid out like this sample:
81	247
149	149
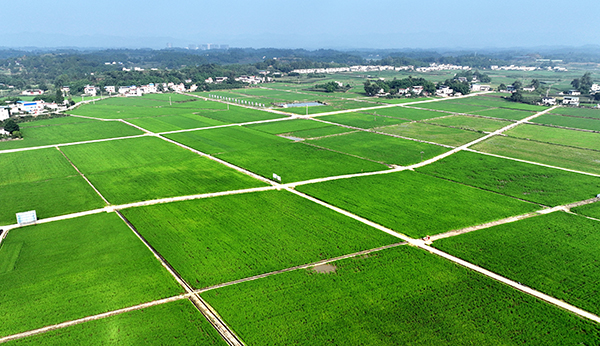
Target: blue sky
301	24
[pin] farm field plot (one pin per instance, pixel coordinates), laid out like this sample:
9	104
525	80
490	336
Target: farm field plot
432	133
415	204
381	148
172	323
321	131
556	254
165	123
498	102
265	154
218	240
60	130
237	114
103	111
533	183
362	121
450	106
226	139
146	168
581	139
298	161
501	113
399	296
578	123
94	264
578	112
591	210
288	126
549	154
42	180
470	123
408	113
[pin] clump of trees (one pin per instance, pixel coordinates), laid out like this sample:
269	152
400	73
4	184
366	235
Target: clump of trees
468	74
332	87
10	126
372	88
458	87
583	84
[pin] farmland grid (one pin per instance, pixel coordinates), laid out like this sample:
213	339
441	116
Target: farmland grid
290	187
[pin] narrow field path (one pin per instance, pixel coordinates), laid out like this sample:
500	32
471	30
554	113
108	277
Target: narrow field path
83	176
213	318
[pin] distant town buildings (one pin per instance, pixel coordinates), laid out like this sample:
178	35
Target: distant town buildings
32	92
358	68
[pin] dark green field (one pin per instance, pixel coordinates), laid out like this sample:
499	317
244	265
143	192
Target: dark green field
415	204
400	296
222	239
556	254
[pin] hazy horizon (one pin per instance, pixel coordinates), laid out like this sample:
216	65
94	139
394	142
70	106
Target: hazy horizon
308	24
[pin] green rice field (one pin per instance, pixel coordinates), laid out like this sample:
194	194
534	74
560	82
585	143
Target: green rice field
572	122
572	138
221	240
94	264
533	183
432	133
395	297
415	204
563	249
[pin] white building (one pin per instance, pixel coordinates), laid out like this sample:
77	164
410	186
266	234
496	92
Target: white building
149	88
570	101
595	88
529	89
444	91
110	89
3	132
4	113
89	90
550	101
480	87
417	89
33	107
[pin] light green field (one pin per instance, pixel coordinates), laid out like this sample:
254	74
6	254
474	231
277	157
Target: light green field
470	123
408	113
298	161
360	120
61	130
415	204
432	133
533	183
322	131
400	296
554	155
42	180
147	168
288	126
578	112
70	269
218	240
381	148
173	323
450	106
174	122
556	254
226	139
501	113
237	114
577	123
589	140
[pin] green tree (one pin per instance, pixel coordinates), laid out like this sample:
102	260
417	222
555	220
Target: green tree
517	96
502	86
535	83
11	126
517	84
58	97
